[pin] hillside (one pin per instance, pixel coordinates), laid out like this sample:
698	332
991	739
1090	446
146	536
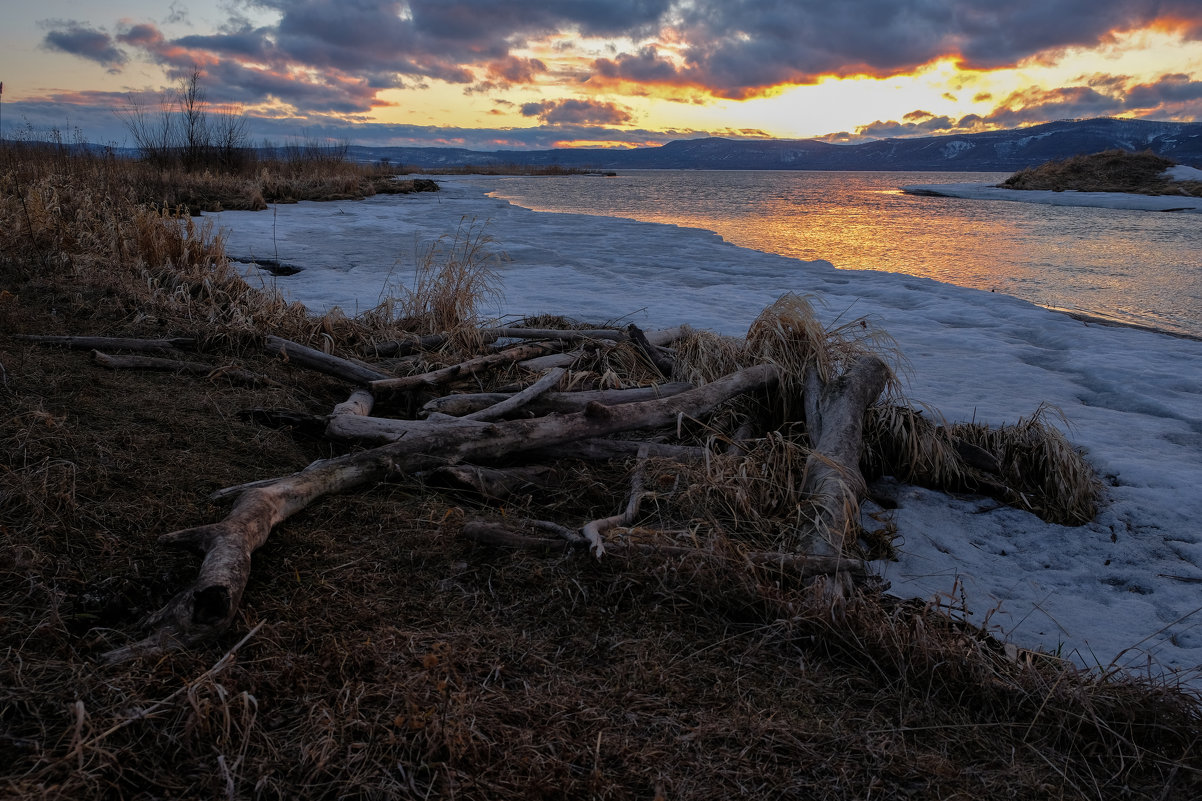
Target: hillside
994	151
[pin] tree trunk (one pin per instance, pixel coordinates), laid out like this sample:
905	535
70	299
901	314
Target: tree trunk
314	359
835	422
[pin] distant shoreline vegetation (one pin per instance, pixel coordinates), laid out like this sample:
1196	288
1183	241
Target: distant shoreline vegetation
1143	173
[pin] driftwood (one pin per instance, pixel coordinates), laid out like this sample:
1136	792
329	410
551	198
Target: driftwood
414	343
445	375
360	403
489	482
112	343
236	374
466	404
402	347
314	359
515	402
661	337
554	333
207	607
595	529
500	443
661	362
835	421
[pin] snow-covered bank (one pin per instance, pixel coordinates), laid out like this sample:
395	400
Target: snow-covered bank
1130	580
1104	200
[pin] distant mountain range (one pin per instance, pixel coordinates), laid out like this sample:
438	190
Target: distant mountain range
993	151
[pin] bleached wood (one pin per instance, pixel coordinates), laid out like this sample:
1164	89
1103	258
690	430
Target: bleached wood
313	359
594	530
126	362
360	403
663	336
460	405
111	343
515	402
833	478
445	375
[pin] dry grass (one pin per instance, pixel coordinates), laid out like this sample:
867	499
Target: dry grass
454	277
377	656
1108	171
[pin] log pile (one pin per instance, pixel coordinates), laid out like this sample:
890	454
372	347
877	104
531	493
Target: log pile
749	452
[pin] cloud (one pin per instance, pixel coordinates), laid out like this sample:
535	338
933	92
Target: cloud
80	40
916	123
1172	96
742	48
340	56
577	112
1170	91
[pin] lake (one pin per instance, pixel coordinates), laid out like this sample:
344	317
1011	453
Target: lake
1136	267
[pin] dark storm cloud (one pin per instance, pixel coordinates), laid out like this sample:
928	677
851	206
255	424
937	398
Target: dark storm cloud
1173	96
1169	90
916	123
737	48
577	112
79	39
246	42
337	56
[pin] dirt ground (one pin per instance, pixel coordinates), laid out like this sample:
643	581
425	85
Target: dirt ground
378	655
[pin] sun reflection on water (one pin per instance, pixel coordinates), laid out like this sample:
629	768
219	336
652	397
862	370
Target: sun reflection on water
1136	267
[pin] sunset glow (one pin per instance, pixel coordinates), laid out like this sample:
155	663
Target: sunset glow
520	74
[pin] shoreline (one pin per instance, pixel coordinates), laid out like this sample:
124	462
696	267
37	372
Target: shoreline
1120	201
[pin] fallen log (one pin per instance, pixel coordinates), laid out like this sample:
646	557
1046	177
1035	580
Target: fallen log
489	482
461	405
206	608
515	402
835	422
313	359
111	343
236	374
658	360
554	333
594	530
446	375
402	347
360	403
414	343
661	337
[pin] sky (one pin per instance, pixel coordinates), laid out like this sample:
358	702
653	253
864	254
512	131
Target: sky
521	74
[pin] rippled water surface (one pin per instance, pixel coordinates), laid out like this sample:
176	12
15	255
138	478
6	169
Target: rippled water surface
1136	267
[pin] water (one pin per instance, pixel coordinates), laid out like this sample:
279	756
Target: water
1136	267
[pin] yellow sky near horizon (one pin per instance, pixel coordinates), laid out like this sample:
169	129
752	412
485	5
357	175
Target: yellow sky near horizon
1066	81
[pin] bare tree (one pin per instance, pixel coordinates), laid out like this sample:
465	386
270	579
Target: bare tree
229	137
193	121
154	130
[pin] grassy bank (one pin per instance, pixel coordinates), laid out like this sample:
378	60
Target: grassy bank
378	656
1108	171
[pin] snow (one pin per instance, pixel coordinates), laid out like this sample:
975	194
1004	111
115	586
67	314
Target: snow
1105	200
1123	590
1181	172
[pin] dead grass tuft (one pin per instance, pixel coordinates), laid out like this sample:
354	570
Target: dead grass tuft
1108	171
